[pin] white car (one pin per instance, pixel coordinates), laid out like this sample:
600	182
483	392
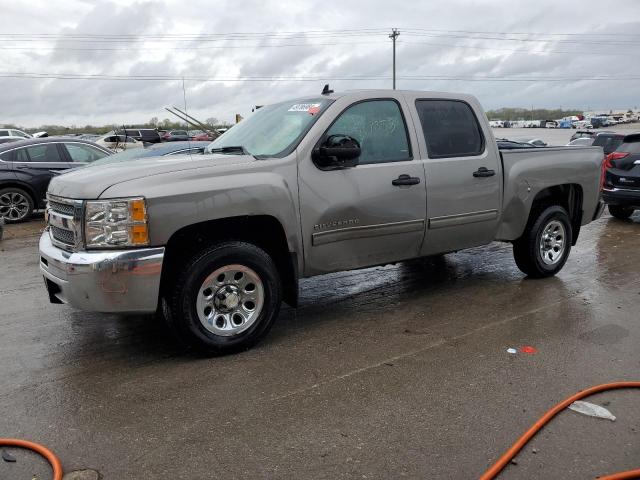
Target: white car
118	143
12	132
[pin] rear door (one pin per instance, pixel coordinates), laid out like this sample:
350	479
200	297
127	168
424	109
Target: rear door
463	174
36	164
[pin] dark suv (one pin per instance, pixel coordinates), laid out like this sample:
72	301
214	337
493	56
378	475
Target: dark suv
148	135
26	167
621	188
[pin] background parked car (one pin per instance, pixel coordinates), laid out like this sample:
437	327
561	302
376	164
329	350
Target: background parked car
609	141
536	142
506	144
583	134
26	167
175	136
10	139
12	132
581	142
203	137
148	135
158	150
118	143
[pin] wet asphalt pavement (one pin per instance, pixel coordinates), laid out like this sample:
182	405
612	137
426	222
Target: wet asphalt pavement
389	372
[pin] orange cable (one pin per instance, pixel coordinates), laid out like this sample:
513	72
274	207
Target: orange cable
56	466
502	462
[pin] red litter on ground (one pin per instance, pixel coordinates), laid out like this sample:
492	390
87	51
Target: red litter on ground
529	349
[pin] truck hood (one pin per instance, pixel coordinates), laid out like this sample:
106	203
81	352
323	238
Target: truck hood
89	182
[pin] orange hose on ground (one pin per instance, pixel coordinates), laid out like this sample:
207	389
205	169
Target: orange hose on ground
628	475
502	462
56	466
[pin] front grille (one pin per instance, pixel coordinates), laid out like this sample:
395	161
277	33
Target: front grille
63	221
62	235
62	208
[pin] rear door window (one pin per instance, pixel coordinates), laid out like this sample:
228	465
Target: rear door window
84	153
450	128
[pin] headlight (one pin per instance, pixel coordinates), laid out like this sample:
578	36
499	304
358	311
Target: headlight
120	222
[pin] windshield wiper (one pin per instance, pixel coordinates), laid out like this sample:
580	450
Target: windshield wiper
231	149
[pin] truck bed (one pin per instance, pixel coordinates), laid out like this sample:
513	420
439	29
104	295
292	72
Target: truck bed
528	172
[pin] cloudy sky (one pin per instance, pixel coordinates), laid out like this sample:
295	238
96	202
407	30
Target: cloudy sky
236	54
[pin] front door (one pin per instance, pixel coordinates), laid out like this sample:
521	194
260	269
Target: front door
372	213
35	165
463	175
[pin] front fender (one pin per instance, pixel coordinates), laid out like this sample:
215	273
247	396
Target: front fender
177	201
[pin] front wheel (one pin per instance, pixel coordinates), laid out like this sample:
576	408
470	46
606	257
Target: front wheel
544	247
16	205
226	298
621	213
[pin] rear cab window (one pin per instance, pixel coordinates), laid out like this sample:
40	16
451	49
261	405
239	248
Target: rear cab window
450	128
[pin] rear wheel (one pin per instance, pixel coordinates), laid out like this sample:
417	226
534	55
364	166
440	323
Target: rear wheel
226	298
544	247
16	205
619	212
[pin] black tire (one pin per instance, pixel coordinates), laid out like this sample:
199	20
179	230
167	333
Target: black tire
182	314
526	250
9	213
621	213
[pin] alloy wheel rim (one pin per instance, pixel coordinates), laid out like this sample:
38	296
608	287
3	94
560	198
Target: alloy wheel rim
230	300
552	242
13	206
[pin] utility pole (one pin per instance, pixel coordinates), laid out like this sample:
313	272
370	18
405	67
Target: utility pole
394	34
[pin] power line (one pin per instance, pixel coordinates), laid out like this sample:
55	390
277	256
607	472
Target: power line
530	40
518	50
133	49
588	34
197	78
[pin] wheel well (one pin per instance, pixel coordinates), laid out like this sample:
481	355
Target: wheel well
263	231
24	187
568	196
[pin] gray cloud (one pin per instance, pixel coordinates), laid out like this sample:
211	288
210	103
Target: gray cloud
31	102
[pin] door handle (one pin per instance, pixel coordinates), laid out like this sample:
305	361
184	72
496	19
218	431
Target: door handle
405	180
22	167
483	172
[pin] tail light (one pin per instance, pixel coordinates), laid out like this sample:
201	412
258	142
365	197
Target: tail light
607	163
615	156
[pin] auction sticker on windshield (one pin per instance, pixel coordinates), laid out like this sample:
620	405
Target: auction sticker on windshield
305	107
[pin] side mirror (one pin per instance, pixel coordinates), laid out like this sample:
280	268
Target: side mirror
337	152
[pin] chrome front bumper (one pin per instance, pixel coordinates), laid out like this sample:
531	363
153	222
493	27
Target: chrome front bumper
102	281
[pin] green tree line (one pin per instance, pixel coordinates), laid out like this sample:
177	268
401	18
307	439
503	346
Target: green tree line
165	124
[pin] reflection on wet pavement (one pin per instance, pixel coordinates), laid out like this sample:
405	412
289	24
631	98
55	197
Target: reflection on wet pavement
384	372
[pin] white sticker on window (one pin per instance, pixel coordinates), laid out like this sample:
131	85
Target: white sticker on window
305	107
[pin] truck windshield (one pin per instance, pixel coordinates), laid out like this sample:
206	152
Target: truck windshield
273	131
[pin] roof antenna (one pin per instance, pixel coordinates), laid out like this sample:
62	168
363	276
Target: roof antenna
326	90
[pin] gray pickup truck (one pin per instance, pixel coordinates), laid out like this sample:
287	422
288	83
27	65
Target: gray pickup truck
305	187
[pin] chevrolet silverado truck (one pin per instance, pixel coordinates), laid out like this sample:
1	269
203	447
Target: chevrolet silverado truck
305	187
